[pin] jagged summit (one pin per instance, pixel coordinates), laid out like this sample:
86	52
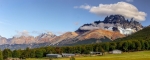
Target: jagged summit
113	23
47	34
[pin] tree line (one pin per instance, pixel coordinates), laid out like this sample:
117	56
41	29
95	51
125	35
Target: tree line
126	46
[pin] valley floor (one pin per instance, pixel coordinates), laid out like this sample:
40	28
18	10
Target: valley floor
140	55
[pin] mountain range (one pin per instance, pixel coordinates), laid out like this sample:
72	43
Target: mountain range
111	28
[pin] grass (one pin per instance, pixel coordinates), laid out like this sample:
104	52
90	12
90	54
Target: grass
140	55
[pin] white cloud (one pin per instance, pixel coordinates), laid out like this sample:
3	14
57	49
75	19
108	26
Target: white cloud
126	9
22	33
88	28
83	6
129	0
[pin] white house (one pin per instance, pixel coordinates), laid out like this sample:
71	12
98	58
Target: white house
116	52
53	55
67	55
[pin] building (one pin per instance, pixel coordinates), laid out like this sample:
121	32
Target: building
96	53
53	55
115	52
67	55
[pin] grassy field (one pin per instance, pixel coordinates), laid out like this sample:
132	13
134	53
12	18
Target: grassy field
141	55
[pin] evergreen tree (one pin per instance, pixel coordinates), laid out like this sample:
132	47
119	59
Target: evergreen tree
32	54
39	53
7	53
106	46
125	46
1	55
147	46
138	45
16	54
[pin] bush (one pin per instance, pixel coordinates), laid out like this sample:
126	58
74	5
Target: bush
72	58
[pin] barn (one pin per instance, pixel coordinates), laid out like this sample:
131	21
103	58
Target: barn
67	55
96	53
53	55
116	52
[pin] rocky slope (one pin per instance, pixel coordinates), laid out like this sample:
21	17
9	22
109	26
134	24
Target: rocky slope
45	37
42	38
22	40
100	33
3	40
65	37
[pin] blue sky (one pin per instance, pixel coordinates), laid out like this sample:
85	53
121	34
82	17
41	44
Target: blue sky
57	16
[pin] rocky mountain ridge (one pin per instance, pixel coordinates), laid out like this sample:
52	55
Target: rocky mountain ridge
113	27
113	23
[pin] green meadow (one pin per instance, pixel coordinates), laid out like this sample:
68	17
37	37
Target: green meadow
140	55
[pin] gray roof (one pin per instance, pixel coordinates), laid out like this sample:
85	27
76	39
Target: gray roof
52	54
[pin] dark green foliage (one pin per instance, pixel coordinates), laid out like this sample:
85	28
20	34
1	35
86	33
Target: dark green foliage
23	55
7	53
91	41
138	45
39	53
105	46
32	54
16	54
1	55
113	46
125	46
146	45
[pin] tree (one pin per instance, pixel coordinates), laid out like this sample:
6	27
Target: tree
7	53
16	54
119	45
101	50
142	44
23	54
125	46
39	53
1	55
113	45
58	50
146	45
27	52
138	45
32	54
106	46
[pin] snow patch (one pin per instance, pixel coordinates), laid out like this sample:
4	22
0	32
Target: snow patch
126	31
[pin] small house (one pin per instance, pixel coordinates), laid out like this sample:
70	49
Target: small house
116	52
53	55
67	55
96	53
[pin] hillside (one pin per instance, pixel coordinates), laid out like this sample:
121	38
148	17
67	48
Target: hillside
101	33
143	34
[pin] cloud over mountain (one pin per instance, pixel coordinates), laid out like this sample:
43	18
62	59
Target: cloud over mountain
123	8
22	33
